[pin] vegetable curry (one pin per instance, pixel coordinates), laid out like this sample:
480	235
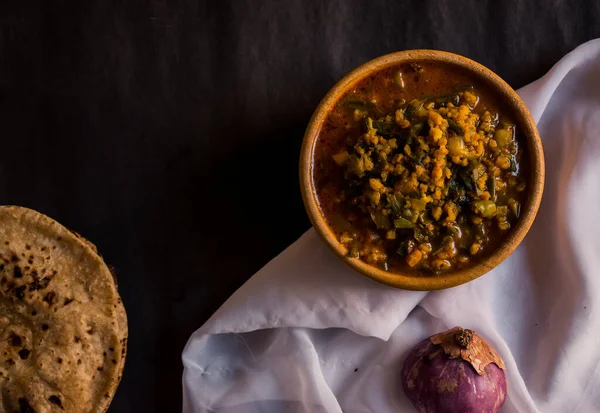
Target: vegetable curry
417	169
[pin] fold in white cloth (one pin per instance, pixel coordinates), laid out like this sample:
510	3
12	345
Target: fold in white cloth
308	334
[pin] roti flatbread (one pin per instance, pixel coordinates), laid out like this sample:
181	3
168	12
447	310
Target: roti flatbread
63	328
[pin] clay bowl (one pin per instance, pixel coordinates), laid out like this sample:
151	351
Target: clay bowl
504	93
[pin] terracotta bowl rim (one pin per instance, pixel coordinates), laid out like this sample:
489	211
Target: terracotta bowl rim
535	183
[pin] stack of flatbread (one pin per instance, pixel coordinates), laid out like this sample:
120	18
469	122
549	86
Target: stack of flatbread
63	328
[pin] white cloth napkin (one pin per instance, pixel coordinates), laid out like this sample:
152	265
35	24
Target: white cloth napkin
308	334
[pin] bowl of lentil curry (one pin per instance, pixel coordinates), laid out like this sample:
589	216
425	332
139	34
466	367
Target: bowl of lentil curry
422	169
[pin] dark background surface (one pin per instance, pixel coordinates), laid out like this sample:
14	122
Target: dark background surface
153	129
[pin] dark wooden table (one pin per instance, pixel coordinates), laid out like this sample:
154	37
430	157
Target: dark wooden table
168	132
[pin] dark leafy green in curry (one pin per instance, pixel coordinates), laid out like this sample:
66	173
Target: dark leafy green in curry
418	169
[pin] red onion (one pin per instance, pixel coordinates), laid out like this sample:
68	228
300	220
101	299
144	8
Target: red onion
454	372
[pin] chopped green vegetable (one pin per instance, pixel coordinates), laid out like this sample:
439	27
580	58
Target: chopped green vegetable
465	176
478	171
475	178
356	165
417	158
412	108
454	189
408	214
445	241
409	111
381	220
341	158
383	127
398	79
455	230
425	128
416	130
402	223
419	236
370	128
417	204
358	104
454	127
505	124
504	137
395	202
456	146
486	208
425	219
492	187
444	100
